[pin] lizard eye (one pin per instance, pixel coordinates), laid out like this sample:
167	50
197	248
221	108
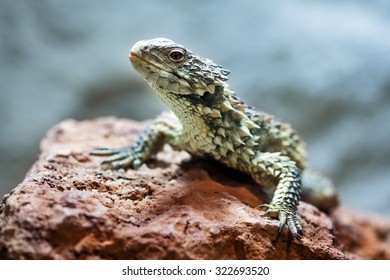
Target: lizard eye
176	55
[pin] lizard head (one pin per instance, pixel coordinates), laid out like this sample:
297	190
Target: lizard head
170	67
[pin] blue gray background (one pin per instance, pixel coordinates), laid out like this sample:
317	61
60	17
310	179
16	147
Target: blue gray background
323	66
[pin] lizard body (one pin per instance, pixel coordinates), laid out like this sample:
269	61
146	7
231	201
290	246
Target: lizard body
209	120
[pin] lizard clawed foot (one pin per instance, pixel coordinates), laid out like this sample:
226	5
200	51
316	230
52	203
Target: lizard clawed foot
286	216
120	157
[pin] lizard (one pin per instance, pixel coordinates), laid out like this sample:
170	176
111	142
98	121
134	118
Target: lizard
207	119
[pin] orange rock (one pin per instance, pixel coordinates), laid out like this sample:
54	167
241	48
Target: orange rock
176	207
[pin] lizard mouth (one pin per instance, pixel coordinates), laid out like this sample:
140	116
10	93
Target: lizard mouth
163	73
137	59
144	66
148	70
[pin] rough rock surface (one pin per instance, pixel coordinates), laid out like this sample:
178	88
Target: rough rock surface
176	207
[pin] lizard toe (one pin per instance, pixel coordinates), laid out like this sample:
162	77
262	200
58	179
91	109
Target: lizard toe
286	217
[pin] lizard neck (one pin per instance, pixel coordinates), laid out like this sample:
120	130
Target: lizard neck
213	124
193	108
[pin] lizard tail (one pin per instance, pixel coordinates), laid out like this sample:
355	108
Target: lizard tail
319	190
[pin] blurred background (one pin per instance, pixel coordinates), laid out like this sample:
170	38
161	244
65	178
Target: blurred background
323	66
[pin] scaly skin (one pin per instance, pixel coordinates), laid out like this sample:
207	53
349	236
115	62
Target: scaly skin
210	121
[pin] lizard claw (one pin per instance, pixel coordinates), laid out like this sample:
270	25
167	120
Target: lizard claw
261	206
286	217
120	157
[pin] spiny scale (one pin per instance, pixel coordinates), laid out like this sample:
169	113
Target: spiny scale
211	121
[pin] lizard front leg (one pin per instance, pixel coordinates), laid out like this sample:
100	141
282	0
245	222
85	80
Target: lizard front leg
163	130
275	169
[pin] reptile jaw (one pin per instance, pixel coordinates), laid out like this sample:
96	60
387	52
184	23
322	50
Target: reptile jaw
155	73
188	74
140	63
